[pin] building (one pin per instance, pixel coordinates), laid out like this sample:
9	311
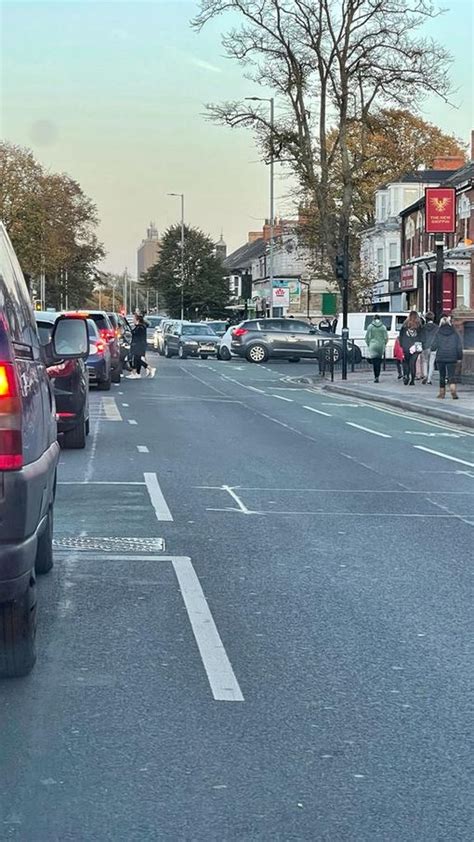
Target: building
380	248
149	250
221	249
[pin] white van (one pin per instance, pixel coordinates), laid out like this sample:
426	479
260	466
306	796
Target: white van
359	322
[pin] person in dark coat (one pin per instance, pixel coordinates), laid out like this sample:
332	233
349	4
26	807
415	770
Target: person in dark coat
325	325
428	356
448	346
138	349
410	340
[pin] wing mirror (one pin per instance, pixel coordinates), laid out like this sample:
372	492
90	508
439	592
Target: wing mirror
70	339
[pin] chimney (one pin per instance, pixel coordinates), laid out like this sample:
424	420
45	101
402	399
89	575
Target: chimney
448	162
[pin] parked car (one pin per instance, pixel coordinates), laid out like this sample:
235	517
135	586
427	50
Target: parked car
99	361
159	334
29	454
287	339
71	389
108	334
218	327
123	333
224	351
152	322
190	340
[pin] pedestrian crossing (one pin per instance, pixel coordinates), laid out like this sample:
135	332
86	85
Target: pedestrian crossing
104	409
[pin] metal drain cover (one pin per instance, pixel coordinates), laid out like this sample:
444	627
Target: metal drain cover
127	545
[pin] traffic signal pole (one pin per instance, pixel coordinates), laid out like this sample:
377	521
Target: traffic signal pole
342	274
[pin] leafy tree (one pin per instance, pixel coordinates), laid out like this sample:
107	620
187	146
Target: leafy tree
205	291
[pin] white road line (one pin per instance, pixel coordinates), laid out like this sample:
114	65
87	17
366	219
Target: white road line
243	508
368	430
99	482
157	499
91	456
125	404
221	676
111	410
433	435
444	455
319	411
281	398
339	404
131	421
142	448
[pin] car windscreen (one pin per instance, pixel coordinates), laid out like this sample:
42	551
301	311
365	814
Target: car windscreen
197	330
153	321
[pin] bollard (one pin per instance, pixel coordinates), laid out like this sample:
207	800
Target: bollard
345	337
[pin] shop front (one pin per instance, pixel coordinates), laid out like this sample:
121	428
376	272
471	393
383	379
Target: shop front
411	287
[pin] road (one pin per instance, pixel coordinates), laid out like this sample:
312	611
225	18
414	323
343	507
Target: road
277	646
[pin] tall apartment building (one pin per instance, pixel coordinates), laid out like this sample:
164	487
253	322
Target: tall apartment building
148	251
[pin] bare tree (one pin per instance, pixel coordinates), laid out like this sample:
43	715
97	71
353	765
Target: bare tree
330	63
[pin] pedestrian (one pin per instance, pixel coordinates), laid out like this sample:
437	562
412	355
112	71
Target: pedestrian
138	349
376	339
325	325
410	340
334	324
398	357
428	356
448	348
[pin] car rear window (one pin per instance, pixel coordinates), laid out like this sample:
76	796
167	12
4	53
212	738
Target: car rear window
252	325
114	319
102	321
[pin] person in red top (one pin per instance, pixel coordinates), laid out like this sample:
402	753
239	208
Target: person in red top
398	357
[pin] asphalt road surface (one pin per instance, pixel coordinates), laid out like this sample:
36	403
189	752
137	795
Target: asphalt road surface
258	623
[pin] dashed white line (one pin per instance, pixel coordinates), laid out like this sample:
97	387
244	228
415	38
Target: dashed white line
368	430
319	411
125	404
221	676
444	455
281	398
132	421
243	508
157	498
142	448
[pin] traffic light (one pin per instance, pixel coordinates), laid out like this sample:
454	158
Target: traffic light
340	267
246	286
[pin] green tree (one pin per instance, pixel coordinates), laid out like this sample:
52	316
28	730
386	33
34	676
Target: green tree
205	291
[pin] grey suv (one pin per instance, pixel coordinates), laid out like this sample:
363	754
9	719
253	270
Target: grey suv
287	339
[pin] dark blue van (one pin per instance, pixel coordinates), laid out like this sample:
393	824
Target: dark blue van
28	457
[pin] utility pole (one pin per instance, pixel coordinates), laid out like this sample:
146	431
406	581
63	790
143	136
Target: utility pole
181	196
342	274
272	194
438	285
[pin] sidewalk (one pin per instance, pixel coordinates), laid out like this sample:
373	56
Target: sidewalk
420	399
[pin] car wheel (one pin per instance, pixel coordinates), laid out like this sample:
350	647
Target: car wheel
75	439
330	352
293	359
88	427
18	633
257	354
224	353
181	353
44	551
105	385
204	356
168	353
117	374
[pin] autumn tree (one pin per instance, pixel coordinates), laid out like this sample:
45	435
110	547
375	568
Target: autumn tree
205	292
329	64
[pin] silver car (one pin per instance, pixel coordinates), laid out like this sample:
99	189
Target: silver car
186	339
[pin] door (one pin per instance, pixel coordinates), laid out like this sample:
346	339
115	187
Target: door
300	340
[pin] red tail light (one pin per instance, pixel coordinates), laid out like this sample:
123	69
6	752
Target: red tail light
107	334
239	331
11	447
64	369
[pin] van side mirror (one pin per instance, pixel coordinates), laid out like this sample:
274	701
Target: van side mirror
70	338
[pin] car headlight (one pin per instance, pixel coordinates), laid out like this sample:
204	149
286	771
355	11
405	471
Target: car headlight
190	342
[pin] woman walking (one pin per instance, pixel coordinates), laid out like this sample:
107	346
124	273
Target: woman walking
138	349
376	339
448	347
410	340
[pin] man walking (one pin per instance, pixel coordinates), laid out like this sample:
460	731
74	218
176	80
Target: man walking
376	339
428	356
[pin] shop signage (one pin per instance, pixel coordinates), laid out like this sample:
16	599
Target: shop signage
408	278
440	210
281	293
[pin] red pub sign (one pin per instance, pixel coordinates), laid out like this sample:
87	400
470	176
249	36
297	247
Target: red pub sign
440	210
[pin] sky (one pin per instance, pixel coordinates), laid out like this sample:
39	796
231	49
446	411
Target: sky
113	93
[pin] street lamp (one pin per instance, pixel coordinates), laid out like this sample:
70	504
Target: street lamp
181	196
272	187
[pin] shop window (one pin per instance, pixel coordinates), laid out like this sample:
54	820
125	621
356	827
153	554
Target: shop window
460	291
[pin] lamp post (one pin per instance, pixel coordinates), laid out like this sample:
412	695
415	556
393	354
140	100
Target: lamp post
181	196
272	189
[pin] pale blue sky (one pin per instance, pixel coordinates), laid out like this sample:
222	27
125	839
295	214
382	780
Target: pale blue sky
113	92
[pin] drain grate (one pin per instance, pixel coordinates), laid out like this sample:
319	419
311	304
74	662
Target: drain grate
127	545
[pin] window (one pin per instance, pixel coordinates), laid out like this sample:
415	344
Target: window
383	206
296	327
380	263
393	254
460	291
386	320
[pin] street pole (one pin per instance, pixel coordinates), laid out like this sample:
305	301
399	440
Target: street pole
438	286
181	196
272	201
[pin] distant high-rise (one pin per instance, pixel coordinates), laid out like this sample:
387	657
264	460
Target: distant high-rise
221	249
149	250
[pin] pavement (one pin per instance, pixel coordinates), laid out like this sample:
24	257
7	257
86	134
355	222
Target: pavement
391	391
258	625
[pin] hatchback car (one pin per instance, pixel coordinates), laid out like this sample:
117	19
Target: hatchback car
28	456
287	339
191	340
71	389
99	362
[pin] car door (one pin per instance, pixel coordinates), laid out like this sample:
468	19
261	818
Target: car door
173	337
273	335
300	341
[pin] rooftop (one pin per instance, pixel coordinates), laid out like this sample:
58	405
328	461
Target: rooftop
242	257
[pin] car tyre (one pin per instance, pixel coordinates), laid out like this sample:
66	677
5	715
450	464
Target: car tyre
257	353
294	359
87	426
44	551
117	374
167	352
75	439
224	353
18	633
182	353
204	356
105	385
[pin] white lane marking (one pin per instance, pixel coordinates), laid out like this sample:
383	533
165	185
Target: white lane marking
99	482
368	430
111	410
330	490
433	435
339	404
319	411
243	508
125	404
221	676
281	398
444	455
142	448
156	496
91	457
323	513
448	425
132	421
244	385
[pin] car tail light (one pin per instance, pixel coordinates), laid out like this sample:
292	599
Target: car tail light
97	347
239	331
64	369
107	334
65	415
11	446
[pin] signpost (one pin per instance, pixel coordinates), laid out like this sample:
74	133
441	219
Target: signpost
440	219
